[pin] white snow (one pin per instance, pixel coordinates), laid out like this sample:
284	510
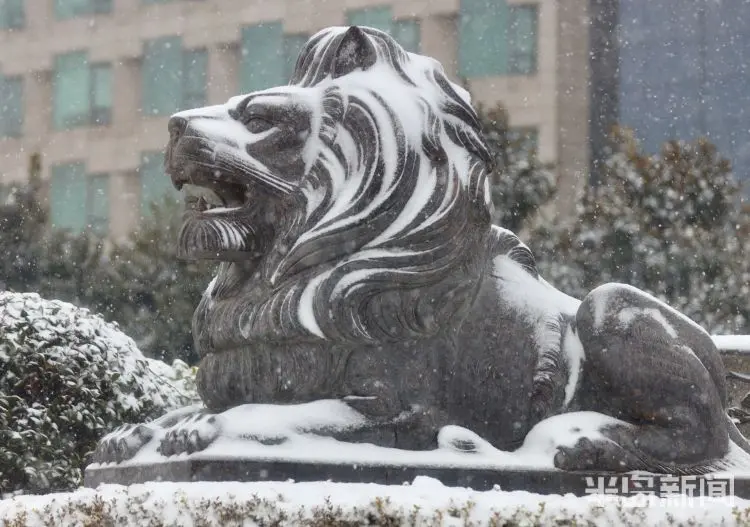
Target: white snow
299	434
732	342
423	501
629	314
574	355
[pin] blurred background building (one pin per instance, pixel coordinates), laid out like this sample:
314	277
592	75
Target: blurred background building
90	84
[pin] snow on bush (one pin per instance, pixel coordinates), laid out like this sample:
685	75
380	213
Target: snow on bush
67	377
425	502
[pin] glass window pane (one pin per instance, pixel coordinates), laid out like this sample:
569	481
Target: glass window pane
155	184
101	94
71	8
406	32
71	90
482	49
12	15
101	6
261	66
377	17
292	46
162	76
67	190
97	203
522	36
11	106
194	81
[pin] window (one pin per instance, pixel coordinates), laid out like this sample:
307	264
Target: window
173	79
194	70
155	184
70	187
12	15
496	39
292	47
406	32
11	106
522	37
97	203
260	67
377	17
528	138
65	9
100	89
82	93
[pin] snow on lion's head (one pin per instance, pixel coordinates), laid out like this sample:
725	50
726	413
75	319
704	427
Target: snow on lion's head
347	206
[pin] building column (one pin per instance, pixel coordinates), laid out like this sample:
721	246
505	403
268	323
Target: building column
439	40
573	75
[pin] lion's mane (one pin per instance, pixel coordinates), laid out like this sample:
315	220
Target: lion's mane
385	242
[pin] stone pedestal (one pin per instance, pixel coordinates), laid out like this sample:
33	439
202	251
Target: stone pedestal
513	479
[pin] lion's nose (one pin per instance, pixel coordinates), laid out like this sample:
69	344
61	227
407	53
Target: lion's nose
176	127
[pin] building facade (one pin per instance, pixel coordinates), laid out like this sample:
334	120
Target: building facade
685	72
90	84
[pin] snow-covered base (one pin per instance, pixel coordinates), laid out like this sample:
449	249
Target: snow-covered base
425	502
239	430
739	343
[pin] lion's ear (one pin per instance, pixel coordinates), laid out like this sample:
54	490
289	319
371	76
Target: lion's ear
354	51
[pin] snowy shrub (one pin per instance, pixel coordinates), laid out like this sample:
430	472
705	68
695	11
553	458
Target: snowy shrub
671	224
66	378
425	503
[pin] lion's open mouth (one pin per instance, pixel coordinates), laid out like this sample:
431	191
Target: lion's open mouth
221	220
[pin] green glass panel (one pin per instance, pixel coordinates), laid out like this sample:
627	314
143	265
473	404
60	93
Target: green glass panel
377	17
194	72
162	76
97	203
292	47
67	191
155	184
11	106
406	32
71	8
101	6
71	83
261	62
101	94
12	14
522	39
482	42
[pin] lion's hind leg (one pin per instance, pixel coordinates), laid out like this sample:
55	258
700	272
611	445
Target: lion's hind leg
652	368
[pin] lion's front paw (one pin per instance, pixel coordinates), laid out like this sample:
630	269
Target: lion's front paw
192	434
122	443
596	454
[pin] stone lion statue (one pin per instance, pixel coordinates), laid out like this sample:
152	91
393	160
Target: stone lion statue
350	211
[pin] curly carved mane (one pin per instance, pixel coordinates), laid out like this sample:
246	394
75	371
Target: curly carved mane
396	201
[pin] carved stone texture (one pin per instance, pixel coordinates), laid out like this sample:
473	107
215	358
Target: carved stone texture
350	211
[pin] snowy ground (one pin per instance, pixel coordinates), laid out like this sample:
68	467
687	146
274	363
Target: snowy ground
424	502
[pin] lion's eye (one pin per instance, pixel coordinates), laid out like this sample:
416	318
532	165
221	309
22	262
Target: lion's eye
258	125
